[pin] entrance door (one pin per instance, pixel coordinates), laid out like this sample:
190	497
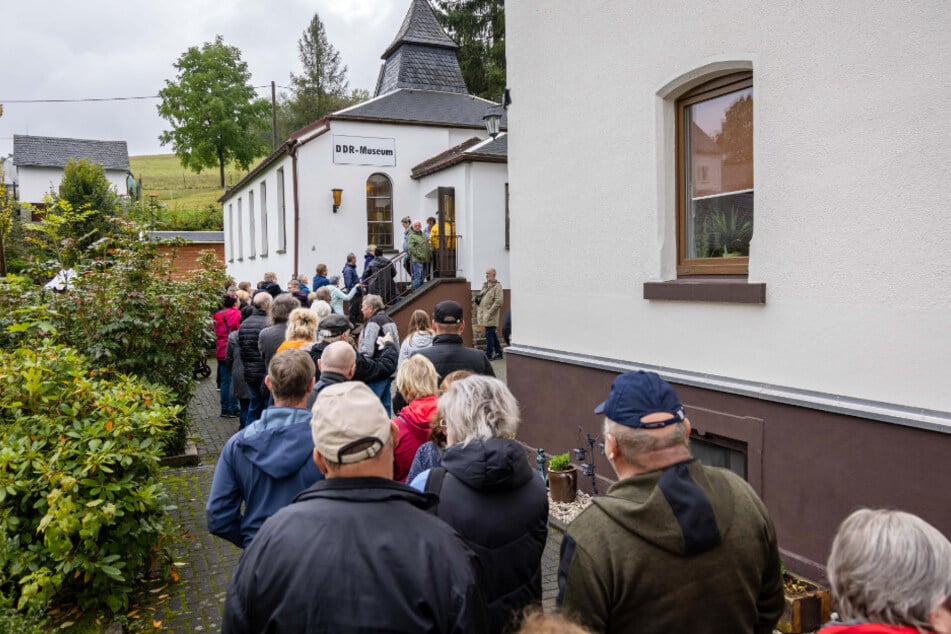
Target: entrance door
445	254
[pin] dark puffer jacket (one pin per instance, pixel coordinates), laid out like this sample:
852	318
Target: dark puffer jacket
254	369
356	555
487	480
448	355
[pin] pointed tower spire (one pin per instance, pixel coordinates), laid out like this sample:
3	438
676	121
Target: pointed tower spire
422	56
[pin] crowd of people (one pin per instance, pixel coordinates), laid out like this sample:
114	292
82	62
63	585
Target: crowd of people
422	513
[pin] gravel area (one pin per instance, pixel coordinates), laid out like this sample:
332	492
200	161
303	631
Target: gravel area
565	512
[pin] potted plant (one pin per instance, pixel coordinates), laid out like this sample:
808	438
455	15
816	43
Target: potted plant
562	479
808	606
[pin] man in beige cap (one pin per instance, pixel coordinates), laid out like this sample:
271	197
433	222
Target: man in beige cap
357	551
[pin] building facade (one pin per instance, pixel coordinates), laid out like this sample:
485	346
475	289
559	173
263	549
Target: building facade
283	217
40	162
806	330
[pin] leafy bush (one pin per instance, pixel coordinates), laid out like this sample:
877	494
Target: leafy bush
559	462
81	507
127	313
207	218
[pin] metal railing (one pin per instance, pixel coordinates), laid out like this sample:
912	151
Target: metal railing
394	281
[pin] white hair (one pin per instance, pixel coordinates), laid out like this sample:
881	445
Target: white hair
479	408
889	567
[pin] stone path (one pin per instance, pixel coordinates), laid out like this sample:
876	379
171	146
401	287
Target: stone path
196	602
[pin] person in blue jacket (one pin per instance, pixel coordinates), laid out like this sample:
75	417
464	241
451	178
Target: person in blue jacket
271	460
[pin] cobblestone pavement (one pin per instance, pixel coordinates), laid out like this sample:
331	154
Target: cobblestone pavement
205	562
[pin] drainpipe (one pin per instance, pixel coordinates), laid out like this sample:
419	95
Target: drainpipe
293	152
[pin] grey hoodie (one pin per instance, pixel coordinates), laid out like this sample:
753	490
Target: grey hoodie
413	344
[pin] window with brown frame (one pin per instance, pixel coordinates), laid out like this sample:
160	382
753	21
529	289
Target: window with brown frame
715	177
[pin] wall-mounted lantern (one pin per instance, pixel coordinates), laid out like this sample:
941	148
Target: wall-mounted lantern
338	193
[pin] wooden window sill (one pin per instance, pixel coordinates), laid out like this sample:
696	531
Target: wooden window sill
719	288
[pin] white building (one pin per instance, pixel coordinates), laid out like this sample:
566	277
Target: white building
811	346
41	160
282	216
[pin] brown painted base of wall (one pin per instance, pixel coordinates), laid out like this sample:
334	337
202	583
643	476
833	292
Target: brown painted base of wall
812	468
456	289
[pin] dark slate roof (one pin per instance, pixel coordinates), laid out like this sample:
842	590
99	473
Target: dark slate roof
474	149
420	26
423	67
498	147
44	151
422	107
202	237
421	56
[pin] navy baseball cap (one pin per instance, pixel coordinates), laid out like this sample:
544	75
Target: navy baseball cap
635	395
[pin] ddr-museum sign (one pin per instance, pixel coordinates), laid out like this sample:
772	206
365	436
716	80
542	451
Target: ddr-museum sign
361	150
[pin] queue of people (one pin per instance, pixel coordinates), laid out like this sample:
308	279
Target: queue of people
432	519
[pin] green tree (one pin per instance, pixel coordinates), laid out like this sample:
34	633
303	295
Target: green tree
213	109
478	26
322	87
86	188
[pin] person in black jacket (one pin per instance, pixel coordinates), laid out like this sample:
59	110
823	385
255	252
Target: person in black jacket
251	357
357	552
491	495
447	352
368	369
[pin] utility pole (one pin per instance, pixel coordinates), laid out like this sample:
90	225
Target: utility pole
273	117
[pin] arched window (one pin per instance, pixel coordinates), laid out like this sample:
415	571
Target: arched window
380	211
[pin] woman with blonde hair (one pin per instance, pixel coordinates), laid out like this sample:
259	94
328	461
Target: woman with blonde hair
301	330
429	454
890	573
418	381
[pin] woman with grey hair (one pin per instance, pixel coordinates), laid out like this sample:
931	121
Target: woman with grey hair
890	572
490	494
338	297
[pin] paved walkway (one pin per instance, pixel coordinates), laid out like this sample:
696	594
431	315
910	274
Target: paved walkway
196	602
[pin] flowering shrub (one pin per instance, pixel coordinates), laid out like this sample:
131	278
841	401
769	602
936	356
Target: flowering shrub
81	507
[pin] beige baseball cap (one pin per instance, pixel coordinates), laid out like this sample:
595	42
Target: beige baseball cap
349	423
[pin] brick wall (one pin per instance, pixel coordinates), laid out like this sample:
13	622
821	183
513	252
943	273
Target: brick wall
187	257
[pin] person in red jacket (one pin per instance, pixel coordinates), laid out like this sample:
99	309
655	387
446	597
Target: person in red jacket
227	320
890	573
418	382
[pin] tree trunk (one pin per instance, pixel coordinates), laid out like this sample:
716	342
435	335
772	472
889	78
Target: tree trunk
3	256
221	167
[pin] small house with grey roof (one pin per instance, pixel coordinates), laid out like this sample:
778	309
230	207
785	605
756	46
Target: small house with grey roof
40	161
417	148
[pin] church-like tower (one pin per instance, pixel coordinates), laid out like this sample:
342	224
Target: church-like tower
421	57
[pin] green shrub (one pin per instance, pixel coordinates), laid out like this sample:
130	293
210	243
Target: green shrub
127	313
559	462
81	507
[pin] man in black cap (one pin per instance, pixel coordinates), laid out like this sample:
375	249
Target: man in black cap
447	352
675	546
368	369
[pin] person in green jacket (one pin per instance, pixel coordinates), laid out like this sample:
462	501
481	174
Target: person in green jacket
419	251
674	546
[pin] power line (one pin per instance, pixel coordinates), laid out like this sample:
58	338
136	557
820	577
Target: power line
100	99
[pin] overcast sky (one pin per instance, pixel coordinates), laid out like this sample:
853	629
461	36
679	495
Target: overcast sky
53	49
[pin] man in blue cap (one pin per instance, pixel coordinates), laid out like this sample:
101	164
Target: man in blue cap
675	546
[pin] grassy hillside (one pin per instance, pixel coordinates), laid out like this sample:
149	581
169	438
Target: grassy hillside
187	200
